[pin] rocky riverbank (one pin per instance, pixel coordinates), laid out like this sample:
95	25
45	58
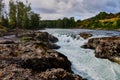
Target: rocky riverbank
105	47
30	56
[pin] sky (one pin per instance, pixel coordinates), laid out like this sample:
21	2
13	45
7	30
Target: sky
80	9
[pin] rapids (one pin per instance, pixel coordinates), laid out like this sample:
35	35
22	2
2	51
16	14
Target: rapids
83	61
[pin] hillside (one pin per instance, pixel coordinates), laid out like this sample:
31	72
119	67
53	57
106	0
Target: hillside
101	21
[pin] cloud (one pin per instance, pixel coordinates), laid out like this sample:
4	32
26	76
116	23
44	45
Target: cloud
54	9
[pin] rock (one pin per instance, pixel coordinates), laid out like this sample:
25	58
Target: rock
94	42
35	66
43	37
105	47
0	74
40	36
7	42
85	35
58	74
44	63
35	56
32	59
14	72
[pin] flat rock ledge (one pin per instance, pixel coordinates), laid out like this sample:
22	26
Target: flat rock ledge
105	47
31	56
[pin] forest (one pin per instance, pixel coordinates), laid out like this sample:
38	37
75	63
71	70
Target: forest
19	15
102	20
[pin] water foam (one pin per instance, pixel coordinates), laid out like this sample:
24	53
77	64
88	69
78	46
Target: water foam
83	61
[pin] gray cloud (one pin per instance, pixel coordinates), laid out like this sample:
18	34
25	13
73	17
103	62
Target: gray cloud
54	9
45	10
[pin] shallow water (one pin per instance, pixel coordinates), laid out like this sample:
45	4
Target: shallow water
83	61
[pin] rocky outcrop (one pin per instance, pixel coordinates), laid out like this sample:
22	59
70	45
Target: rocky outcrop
41	37
32	59
35	56
58	74
85	35
106	47
92	43
14	72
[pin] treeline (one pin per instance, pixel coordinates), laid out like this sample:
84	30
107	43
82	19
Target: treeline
60	23
19	15
102	20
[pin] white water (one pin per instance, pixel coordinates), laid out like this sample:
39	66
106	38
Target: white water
83	61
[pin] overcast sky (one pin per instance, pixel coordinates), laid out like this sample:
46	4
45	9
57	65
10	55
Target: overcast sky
80	9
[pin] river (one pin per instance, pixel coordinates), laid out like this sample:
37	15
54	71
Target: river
83	61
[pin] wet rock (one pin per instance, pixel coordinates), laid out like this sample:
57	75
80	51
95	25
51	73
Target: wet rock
105	47
85	35
94	42
109	50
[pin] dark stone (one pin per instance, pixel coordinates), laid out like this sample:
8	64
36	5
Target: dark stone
7	42
85	35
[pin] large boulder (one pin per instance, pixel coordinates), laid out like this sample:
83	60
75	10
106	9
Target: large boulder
105	47
31	61
41	37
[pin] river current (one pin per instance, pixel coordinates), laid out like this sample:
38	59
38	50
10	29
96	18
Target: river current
83	61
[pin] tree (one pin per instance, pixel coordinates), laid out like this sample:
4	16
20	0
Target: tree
34	20
118	23
72	22
65	23
101	15
5	21
59	23
12	14
1	10
23	14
